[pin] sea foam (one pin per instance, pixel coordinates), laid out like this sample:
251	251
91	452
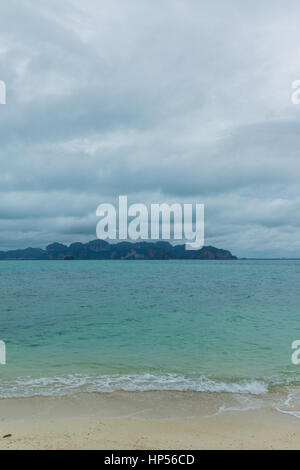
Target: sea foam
64	385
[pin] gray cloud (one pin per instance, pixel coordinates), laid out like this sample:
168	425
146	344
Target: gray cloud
175	100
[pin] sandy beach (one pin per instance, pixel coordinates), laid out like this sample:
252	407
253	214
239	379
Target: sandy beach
142	421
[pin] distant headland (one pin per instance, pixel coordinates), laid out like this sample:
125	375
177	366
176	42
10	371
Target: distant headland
102	250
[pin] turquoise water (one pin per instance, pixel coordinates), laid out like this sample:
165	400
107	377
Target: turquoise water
143	325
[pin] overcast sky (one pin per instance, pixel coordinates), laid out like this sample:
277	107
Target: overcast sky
175	101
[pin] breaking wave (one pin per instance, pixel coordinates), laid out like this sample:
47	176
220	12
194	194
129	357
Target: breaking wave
64	385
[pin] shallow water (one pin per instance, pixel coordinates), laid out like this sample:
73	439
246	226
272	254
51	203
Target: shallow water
148	325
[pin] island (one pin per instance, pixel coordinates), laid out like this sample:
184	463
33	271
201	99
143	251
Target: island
102	250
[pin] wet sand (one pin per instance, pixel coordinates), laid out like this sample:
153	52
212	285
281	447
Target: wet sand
145	420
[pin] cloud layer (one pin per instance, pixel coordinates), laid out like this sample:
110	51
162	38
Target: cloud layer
163	101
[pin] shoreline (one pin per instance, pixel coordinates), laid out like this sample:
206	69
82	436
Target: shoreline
145	420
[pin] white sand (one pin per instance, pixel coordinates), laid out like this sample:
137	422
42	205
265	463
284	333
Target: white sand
142	421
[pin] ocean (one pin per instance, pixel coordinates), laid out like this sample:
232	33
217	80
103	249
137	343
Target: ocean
104	326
